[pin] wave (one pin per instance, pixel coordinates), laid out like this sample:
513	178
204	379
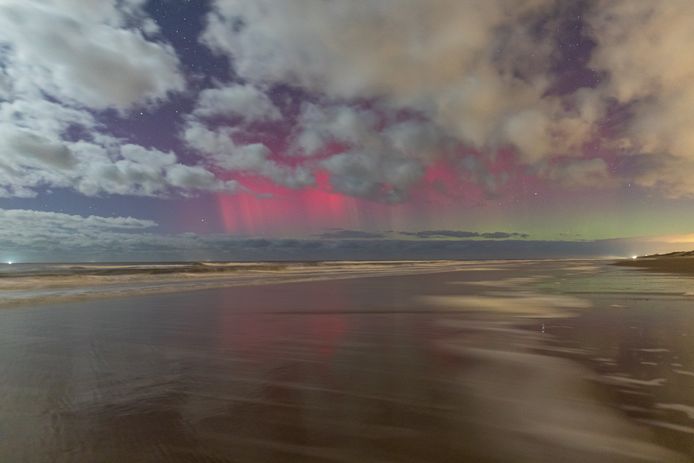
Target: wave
47	283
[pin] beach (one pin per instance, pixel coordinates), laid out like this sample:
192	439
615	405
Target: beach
502	361
682	263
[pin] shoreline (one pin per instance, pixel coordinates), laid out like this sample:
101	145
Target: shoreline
75	289
42	288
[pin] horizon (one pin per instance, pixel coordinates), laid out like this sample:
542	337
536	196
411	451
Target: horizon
377	250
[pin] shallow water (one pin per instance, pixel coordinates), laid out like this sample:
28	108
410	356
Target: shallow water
499	362
639	337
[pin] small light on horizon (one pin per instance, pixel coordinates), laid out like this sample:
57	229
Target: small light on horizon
9	262
634	257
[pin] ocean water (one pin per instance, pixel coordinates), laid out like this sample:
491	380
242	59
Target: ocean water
46	283
517	361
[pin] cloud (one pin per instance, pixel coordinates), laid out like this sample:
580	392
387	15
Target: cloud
52	234
321	124
442	233
486	81
30	149
641	49
218	147
503	235
63	63
32	158
380	92
350	234
663	172
244	101
195	178
374	153
18	218
482	78
464	234
373	174
73	52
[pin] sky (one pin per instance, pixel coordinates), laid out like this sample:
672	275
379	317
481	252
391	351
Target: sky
317	129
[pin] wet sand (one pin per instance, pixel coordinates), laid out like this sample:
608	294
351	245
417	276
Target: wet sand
490	364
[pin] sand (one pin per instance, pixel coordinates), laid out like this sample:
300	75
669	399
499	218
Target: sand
475	365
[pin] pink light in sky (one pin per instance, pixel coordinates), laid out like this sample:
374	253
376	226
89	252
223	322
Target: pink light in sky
270	209
280	209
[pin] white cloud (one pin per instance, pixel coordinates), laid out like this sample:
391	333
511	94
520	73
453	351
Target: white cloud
480	80
18	219
220	149
244	101
643	47
85	54
373	174
36	154
197	178
474	75
216	142
27	233
23	148
396	85
140	171
63	62
371	153
320	125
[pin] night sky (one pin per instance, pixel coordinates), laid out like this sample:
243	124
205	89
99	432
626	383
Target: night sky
314	129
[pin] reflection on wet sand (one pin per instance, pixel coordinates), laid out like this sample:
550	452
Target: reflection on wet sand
447	367
638	337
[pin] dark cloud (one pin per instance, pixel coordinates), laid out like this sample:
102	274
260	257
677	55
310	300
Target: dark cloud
464	234
504	235
349	234
442	233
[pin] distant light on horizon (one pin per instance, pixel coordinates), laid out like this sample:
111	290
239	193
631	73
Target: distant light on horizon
9	262
634	257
